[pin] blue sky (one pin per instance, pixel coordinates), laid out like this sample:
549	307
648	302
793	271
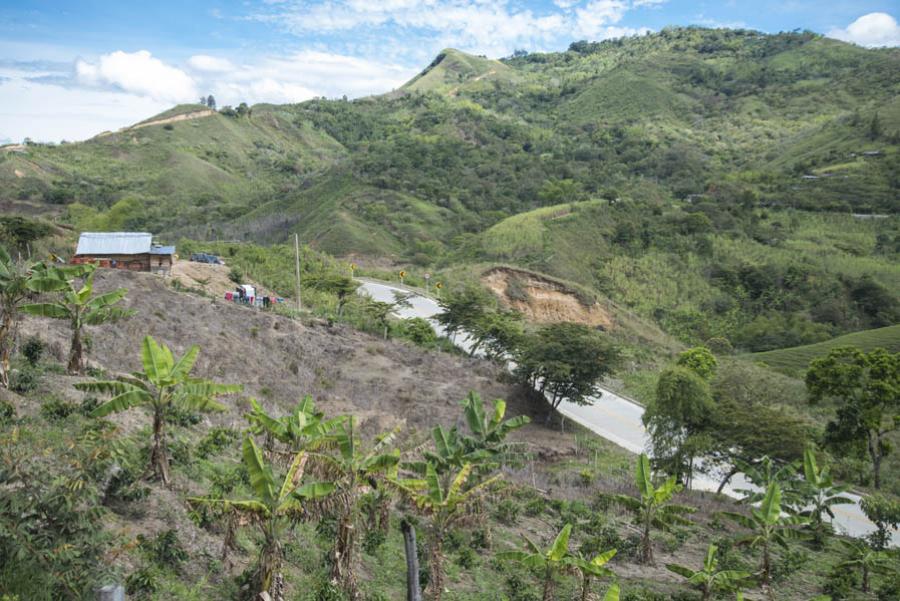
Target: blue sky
69	70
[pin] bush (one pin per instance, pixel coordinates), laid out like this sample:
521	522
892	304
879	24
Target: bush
142	582
33	350
841	582
24	381
215	441
235	275
164	549
535	507
507	511
467	558
7	412
418	331
373	539
58	409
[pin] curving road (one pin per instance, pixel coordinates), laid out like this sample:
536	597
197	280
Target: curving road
611	416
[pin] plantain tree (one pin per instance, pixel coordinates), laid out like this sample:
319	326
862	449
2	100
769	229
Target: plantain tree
275	504
769	526
558	560
14	291
711	580
444	505
353	471
300	429
862	556
78	305
653	508
163	386
820	494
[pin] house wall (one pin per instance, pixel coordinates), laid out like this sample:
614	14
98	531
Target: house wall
139	262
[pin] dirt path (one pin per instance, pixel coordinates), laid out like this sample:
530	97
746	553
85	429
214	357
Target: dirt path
455	90
212	279
176	118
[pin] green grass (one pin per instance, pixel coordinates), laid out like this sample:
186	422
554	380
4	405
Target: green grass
795	360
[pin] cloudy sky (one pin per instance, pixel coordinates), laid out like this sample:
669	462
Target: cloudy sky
69	70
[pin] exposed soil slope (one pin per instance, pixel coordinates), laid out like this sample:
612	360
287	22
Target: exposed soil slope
543	300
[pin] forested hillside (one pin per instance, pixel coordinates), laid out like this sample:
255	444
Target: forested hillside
713	170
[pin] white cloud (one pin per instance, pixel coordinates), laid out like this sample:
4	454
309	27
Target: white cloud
871	30
591	20
494	28
138	73
48	112
210	64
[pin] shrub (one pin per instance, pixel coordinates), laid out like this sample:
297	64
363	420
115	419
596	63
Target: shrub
143	581
215	441
418	331
507	511
840	583
7	412
535	507
164	549
235	275
57	409
24	381
467	558
373	539
33	350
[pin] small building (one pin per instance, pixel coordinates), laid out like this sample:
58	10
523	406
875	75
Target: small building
134	251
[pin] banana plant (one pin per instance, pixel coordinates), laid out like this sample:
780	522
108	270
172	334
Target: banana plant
353	471
164	385
653	508
444	506
558	560
868	560
485	448
297	430
595	568
710	580
766	471
768	526
553	562
15	289
820	494
275	504
78	305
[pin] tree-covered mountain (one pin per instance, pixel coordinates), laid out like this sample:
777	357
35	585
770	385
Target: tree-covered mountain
682	143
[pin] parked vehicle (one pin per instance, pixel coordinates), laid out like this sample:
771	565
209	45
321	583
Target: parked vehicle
206	258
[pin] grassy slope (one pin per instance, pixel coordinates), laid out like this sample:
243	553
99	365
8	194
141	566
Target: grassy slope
795	360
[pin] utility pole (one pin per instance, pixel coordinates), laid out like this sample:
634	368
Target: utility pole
297	258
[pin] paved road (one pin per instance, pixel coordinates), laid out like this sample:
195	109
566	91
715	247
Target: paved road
614	418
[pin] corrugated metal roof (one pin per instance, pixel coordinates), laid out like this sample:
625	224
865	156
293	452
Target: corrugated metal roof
114	243
162	250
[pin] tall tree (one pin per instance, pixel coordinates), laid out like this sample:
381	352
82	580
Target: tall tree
866	387
275	504
676	419
444	504
653	507
78	305
884	512
211	102
566	361
710	579
164	385
768	526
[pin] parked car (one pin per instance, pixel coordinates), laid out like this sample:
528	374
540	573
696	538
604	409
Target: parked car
206	258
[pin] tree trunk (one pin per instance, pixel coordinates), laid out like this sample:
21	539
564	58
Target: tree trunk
766	564
585	587
646	543
875	454
726	480
413	590
159	458
865	579
342	556
548	585
436	566
76	353
384	515
269	569
7	339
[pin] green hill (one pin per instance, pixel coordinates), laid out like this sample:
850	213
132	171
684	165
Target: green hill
794	361
710	142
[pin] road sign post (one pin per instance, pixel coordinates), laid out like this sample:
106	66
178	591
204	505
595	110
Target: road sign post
402	275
